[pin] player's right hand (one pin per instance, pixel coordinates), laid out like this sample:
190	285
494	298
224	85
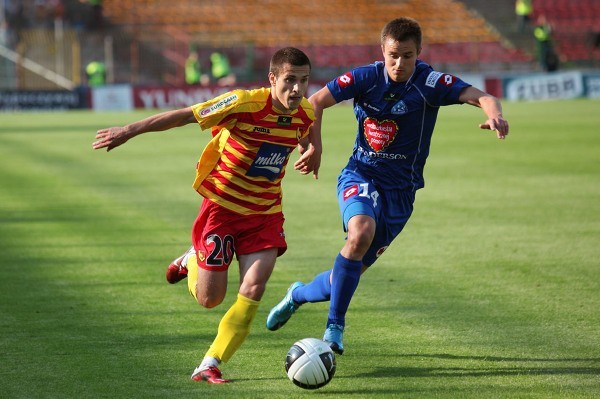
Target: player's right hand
110	138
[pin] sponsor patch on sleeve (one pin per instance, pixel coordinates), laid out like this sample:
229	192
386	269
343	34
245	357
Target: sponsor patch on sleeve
351	191
218	105
443	78
433	78
448	80
345	80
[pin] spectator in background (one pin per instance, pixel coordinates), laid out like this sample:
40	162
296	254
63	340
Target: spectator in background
220	69
96	73
16	20
547	57
193	71
8	36
523	10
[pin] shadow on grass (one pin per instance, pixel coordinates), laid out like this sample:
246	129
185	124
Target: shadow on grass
559	367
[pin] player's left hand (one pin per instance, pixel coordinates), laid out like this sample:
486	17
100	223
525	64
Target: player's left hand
497	124
310	161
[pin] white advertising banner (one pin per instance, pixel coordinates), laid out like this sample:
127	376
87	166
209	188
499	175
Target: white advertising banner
112	98
550	86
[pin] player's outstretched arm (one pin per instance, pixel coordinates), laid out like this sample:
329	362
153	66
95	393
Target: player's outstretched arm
113	137
310	161
492	108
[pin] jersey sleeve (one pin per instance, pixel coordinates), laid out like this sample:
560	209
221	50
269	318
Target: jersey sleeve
214	112
442	88
353	83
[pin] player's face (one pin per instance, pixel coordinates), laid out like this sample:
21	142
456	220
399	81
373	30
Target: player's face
290	86
400	58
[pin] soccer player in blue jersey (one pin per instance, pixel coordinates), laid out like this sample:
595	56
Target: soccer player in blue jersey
396	103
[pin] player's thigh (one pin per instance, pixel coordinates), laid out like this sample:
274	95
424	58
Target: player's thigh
255	271
356	196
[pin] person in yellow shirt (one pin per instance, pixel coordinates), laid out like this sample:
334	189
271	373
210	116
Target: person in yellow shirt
96	73
221	69
523	11
193	70
546	54
239	177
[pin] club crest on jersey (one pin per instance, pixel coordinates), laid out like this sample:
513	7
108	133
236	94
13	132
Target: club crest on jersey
345	80
269	161
378	134
399	108
350	192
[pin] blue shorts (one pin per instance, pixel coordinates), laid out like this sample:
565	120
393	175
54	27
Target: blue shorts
391	209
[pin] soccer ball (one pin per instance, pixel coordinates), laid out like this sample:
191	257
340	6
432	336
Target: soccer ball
310	363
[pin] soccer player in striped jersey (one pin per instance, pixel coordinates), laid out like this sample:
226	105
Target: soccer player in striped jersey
396	103
239	175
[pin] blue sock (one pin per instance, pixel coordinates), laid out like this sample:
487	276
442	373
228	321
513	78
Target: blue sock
318	290
346	275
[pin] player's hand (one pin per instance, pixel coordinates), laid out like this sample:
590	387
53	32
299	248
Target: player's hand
110	138
497	124
310	161
303	145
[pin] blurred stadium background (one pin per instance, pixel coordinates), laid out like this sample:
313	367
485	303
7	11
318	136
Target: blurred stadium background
45	46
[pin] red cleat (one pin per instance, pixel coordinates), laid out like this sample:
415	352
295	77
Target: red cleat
177	270
212	375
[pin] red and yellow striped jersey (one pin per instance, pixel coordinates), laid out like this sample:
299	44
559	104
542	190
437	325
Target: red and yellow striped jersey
242	166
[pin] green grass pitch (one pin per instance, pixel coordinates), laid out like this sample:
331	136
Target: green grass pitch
491	291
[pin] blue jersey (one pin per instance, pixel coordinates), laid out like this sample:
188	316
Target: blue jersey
395	120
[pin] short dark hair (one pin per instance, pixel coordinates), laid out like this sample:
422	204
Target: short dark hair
288	55
402	29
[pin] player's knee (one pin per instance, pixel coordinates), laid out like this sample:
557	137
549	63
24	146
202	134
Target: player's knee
358	241
253	291
209	300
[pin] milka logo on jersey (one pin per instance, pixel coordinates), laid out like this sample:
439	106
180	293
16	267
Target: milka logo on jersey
378	134
433	77
345	80
269	161
350	192
223	103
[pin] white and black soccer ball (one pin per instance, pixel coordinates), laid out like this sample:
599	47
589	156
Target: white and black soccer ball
310	363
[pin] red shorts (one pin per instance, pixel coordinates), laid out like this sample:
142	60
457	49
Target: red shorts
219	233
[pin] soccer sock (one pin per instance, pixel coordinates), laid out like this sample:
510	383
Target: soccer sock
318	290
233	328
192	266
346	275
207	362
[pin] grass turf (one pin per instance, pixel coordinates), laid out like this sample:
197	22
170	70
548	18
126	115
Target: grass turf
491	291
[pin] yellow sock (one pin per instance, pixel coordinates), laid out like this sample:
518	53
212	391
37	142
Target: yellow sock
192	266
233	328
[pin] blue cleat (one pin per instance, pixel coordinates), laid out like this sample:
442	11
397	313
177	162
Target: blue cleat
333	337
282	312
